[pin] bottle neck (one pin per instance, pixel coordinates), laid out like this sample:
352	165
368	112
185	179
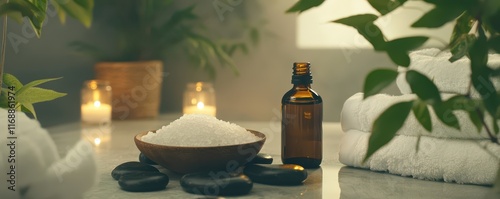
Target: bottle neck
301	74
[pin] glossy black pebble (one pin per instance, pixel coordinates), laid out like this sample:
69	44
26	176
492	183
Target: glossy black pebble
131	167
143	181
206	184
146	160
285	174
262	158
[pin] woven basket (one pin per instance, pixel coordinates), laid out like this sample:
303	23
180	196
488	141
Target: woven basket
136	87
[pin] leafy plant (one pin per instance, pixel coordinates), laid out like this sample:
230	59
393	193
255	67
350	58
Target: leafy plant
476	32
22	97
35	11
148	29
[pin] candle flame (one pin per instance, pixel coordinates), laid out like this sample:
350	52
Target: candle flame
200	105
97	141
97	103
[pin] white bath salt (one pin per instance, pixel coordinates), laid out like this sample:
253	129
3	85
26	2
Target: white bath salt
200	130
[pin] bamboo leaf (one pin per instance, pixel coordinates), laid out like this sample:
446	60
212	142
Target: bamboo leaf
35	15
462	27
386	125
77	10
34	95
365	26
377	80
254	36
475	118
11	80
445	114
303	5
386	6
28	108
461	47
35	83
438	16
423	87
398	49
422	114
481	81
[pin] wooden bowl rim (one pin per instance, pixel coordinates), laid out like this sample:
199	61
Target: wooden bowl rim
260	135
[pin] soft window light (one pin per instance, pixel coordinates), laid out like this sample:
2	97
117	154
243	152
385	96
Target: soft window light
316	31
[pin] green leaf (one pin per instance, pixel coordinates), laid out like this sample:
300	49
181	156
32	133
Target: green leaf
445	114
398	49
303	5
461	46
77	11
400	58
462	27
35	83
11	80
471	106
35	95
439	16
377	80
365	26
254	36
386	125
475	117
35	15
423	87
481	81
386	6
422	114
495	126
28	108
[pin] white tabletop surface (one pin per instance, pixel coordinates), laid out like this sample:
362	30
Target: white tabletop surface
332	180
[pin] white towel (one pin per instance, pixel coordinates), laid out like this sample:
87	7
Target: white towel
359	114
460	161
448	77
40	171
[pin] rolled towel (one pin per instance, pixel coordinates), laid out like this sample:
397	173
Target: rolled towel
39	170
448	77
460	161
359	114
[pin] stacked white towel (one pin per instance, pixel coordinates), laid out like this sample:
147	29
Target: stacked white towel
448	77
461	156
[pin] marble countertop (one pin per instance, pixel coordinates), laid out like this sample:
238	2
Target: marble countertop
332	180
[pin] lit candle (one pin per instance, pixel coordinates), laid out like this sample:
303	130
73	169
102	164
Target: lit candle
96	102
200	108
96	112
199	98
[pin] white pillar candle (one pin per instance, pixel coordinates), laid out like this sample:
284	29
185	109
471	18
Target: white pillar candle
96	112
200	108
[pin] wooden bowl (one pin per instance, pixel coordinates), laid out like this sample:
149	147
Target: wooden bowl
181	159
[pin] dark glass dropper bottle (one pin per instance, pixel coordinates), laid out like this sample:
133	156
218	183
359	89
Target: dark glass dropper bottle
301	124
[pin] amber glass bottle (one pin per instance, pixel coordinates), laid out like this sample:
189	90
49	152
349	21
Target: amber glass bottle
302	115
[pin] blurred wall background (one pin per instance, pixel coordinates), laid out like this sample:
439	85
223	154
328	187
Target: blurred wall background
253	95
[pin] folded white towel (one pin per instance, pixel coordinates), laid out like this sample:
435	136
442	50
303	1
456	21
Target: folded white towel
359	114
39	170
460	161
448	77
